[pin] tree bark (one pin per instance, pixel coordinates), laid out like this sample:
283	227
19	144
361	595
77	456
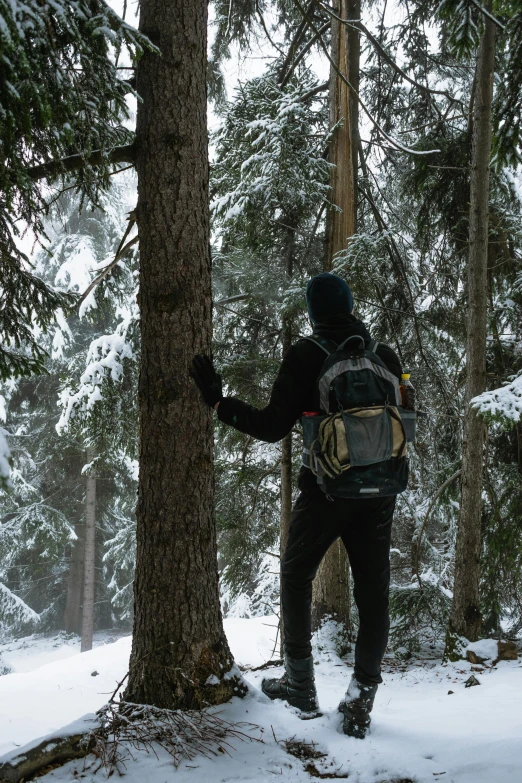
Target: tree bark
465	612
331	588
49	753
180	656
73	606
89	560
286	443
343	151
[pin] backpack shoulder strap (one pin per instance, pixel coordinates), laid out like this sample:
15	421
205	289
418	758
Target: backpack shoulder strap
373	346
323	344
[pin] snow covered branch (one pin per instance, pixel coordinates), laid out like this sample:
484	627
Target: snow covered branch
503	405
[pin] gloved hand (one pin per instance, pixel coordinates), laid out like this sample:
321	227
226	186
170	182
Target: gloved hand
207	379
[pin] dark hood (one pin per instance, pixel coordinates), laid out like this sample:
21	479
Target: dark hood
328	299
348	326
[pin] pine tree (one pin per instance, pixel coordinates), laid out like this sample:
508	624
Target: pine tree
465	614
48	484
61	96
179	646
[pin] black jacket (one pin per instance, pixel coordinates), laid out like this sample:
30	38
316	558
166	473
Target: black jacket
295	388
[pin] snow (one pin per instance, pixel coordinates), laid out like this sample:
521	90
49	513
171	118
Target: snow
484	648
13	610
419	731
503	405
5	458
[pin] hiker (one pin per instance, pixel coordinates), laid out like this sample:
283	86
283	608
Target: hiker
319	517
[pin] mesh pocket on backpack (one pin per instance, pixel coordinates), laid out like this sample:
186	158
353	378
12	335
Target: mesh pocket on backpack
369	435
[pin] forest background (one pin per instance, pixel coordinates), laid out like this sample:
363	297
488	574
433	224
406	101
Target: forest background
70	380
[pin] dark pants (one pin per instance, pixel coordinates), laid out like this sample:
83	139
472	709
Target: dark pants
365	529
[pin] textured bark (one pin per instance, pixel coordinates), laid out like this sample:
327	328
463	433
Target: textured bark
465	613
73	606
179	646
341	225
354	58
286	443
49	754
331	589
89	579
286	512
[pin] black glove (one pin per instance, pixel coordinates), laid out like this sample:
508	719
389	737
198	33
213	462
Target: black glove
207	379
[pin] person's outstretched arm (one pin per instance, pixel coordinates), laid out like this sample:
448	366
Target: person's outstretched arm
271	423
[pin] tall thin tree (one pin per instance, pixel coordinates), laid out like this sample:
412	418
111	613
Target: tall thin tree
89	581
331	590
465	612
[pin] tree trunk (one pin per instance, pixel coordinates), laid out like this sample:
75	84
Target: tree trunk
465	612
286	443
331	589
343	148
73	606
180	656
89	560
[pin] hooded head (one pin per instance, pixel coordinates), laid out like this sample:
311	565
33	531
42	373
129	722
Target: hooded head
328	298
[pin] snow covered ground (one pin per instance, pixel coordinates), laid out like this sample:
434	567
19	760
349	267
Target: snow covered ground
419	731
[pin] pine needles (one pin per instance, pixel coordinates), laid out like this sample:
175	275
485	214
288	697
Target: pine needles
126	729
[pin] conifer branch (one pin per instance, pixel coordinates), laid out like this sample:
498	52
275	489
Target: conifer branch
434	499
315	91
295	43
265	28
392	141
304	51
54	168
489	15
358	25
121	251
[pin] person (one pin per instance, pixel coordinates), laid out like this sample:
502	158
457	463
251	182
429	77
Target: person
363	524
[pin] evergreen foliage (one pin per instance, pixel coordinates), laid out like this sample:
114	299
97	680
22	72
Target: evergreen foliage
60	94
44	512
270	200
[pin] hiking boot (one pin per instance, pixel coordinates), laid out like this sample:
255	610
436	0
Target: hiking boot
296	686
356	707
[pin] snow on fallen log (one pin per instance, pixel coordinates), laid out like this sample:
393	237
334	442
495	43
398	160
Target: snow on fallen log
68	743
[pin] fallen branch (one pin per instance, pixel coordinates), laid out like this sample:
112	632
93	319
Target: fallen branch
55	750
122	729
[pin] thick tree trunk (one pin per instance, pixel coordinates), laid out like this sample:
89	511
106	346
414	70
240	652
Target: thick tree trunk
286	513
286	443
89	560
73	606
331	589
180	656
465	613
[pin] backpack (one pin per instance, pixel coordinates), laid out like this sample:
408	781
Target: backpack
357	445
